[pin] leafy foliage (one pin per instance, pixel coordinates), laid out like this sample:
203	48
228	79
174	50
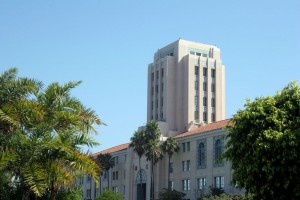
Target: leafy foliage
109	195
264	143
168	194
229	197
41	135
70	194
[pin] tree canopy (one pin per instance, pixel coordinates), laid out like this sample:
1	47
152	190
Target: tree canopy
42	132
264	145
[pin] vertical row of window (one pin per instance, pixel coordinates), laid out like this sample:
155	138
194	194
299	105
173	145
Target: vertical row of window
157	98
196	111
204	95
196	98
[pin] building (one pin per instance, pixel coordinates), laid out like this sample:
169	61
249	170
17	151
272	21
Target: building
186	96
186	86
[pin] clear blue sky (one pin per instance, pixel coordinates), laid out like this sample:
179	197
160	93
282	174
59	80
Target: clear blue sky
109	44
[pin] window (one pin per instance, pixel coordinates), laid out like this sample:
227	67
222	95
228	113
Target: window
152	90
188	165
162	87
213	102
196	70
161	115
196	85
162	102
204	71
105	175
115	189
89	178
188	146
183	147
213	73
152	105
218	149
201	155
196	113
196	100
204	116
162	72
156	116
114	175
219	181
88	193
156	103
213	89
156	88
201	183
171	167
116	160
204	86
204	101
186	184
152	76
157	74
171	185
198	54
213	117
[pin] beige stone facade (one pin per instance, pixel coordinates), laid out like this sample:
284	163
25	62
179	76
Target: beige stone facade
186	86
186	96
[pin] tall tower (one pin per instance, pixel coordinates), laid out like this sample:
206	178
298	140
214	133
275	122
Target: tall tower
186	86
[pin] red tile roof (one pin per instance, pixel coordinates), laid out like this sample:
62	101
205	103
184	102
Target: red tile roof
112	149
206	128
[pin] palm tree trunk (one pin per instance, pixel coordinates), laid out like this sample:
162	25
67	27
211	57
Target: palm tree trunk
169	184
53	191
141	182
152	182
108	179
25	192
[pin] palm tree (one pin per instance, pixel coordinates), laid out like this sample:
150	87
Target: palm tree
41	134
14	93
138	142
106	162
153	150
170	146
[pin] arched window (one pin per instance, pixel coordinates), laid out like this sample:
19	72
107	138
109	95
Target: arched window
218	151
141	177
201	154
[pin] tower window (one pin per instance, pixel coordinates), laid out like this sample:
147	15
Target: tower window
213	73
196	70
204	71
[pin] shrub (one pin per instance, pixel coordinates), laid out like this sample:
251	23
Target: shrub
168	194
109	195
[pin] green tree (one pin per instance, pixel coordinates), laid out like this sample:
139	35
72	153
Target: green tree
43	133
153	149
109	195
138	143
106	162
264	145
170	146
